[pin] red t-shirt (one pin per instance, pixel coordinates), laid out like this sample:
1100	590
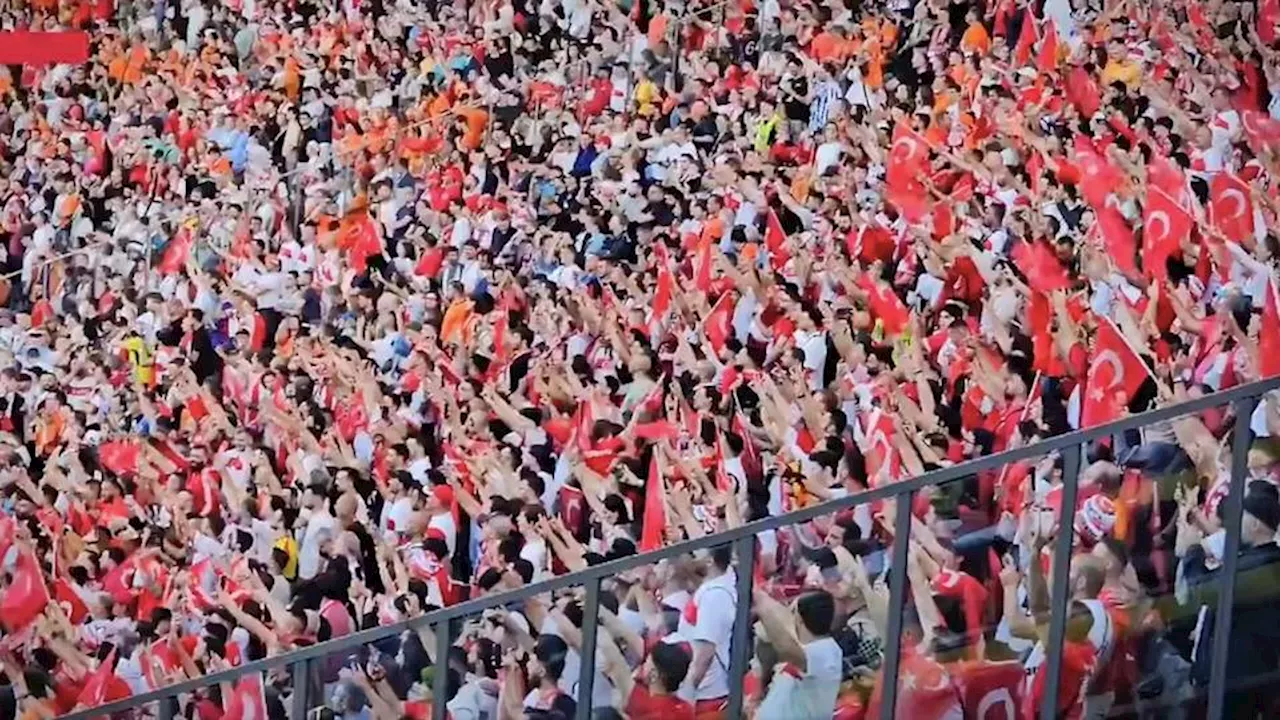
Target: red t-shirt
642	705
1077	663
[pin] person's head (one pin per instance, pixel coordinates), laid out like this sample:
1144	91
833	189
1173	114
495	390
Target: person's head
815	612
1261	514
666	667
546	664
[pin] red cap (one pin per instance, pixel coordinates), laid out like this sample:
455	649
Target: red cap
443	495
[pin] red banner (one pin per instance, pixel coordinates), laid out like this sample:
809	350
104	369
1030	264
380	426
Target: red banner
43	48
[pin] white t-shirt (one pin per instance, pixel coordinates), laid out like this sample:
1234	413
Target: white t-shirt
309	553
810	695
715	603
444	523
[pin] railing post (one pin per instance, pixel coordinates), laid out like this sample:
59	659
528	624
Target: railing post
440	678
166	708
1231	556
897	598
739	651
300	672
1058	590
587	653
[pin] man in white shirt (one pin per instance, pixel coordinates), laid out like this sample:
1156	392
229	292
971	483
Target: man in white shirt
319	529
708	623
806	681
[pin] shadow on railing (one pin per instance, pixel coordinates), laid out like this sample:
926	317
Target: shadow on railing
318	665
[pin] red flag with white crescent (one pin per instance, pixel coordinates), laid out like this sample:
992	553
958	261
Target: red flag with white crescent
1165	224
1115	374
1231	208
925	690
248	700
26	595
1260	130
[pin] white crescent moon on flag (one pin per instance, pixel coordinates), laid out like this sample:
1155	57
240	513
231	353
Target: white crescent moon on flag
1158	217
1108	357
1236	196
911	148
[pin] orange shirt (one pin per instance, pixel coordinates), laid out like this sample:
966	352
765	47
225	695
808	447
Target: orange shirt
976	39
828	47
477	121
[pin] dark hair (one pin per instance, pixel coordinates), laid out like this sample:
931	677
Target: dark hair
551	652
817	610
672	663
524	569
722	556
614	503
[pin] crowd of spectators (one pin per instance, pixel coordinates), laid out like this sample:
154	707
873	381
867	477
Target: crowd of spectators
318	316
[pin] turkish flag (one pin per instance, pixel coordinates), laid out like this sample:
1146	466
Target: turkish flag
775	240
910	197
1098	178
176	253
656	431
1047	59
990	690
1260	129
1115	374
118	582
1117	240
1040	266
885	306
702	264
925	689
665	291
871	243
718	325
908	157
1269	333
1231	208
655	509
360	237
1082	91
1026	38
1164	226
1165	175
1045	353
97	687
583	424
72	604
248	700
26	595
119	456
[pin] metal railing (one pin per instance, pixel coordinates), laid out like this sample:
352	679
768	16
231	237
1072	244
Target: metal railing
1070	446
